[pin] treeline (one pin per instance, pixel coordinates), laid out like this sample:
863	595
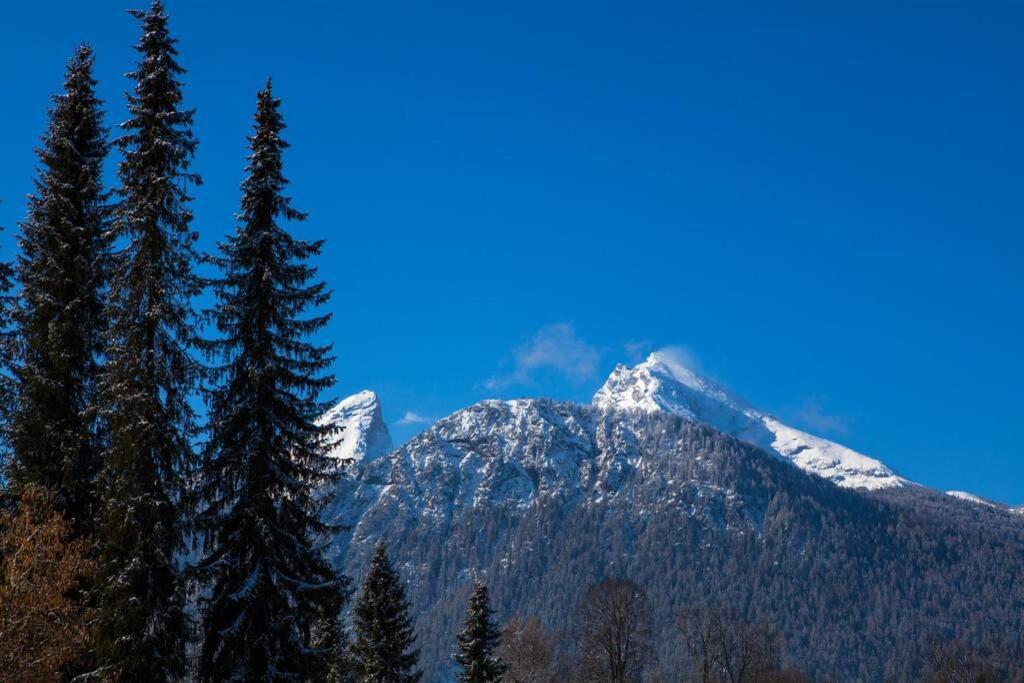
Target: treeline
615	639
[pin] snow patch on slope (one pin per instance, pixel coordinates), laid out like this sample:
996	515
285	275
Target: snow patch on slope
970	498
664	383
363	435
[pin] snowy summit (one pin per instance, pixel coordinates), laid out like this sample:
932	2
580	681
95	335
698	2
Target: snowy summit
664	383
363	436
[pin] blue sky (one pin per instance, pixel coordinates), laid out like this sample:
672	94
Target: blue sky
822	202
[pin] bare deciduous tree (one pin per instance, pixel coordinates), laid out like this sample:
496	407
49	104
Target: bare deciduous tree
42	627
614	633
529	650
725	648
955	663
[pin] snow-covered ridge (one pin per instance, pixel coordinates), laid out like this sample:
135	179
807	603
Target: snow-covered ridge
664	383
978	500
970	498
363	435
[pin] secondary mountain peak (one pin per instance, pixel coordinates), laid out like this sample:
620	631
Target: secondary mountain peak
664	382
363	436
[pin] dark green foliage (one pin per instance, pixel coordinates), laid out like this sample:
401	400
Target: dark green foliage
60	317
150	374
384	634
8	304
478	641
331	639
272	591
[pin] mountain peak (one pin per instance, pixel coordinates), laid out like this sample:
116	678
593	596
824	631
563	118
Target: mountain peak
653	386
363	436
665	382
365	397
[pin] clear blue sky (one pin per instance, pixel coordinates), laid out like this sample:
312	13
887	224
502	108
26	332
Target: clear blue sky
821	201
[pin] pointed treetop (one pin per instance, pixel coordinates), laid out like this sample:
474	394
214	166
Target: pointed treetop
156	9
384	646
83	54
156	37
478	641
78	72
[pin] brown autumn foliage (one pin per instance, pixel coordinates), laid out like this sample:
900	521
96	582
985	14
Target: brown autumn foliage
42	628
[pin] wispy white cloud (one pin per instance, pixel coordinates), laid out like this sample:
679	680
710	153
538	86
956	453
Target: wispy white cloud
556	348
680	355
811	415
413	418
636	350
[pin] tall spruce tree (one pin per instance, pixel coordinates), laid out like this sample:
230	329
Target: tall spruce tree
478	642
384	637
59	321
8	304
267	457
150	374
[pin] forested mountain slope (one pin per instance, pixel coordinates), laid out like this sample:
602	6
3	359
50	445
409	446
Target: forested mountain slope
542	498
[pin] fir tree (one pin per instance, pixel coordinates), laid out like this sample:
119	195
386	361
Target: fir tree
331	638
384	636
60	317
8	304
150	375
266	458
478	642
8	496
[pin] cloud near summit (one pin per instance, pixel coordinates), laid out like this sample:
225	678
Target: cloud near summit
411	417
555	348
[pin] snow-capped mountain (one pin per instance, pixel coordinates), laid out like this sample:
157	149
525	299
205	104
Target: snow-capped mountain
363	434
669	479
541	498
663	383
